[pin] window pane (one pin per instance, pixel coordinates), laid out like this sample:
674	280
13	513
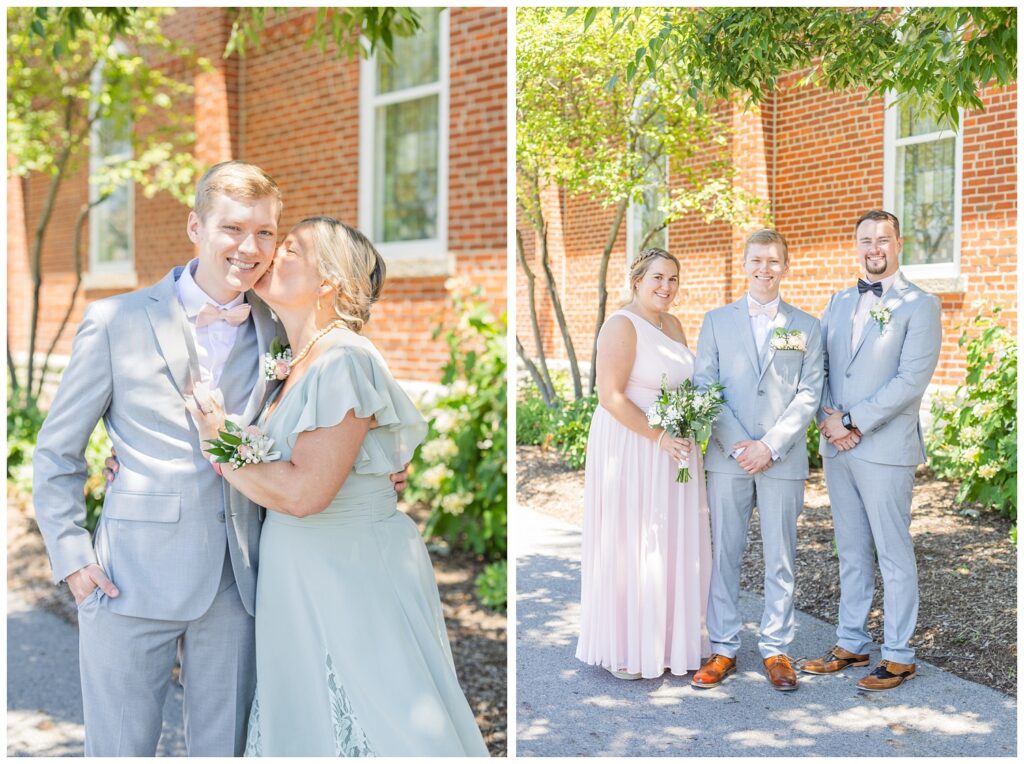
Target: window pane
646	217
912	122
924	200
407	167
113	222
416	59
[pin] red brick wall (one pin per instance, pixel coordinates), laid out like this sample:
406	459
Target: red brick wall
295	113
817	157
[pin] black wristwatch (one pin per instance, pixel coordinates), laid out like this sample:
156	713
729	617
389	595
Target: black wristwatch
846	421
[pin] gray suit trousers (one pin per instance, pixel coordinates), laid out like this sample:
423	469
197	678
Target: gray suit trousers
126	666
871	510
779	503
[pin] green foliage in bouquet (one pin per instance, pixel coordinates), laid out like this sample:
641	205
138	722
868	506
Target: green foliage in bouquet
460	472
973	438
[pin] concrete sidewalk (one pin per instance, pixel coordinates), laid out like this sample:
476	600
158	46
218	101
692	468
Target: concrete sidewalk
566	708
44	697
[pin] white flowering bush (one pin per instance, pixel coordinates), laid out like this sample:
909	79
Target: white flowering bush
974	435
460	472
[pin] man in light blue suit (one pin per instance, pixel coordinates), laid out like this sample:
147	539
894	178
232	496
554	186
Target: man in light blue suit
172	567
768	355
882	341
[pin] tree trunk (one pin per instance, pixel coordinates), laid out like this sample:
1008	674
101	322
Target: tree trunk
534	373
543	376
76	251
602	286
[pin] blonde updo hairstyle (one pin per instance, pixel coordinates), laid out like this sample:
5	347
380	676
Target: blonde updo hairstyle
348	261
643	263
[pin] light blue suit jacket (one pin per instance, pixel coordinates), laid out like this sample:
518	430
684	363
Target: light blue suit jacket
168	515
882	380
770	396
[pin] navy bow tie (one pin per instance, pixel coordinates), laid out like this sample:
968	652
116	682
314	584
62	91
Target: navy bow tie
864	286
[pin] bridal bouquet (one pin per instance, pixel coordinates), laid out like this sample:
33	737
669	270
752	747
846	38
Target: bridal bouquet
240	446
686	412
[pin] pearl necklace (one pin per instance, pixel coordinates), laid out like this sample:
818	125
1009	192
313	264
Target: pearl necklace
316	338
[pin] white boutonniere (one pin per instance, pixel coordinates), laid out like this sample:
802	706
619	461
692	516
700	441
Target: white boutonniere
882	315
784	340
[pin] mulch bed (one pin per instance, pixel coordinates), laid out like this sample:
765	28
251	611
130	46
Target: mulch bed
966	566
478	636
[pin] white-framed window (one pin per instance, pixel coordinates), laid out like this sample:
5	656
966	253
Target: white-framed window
111	222
403	142
923	177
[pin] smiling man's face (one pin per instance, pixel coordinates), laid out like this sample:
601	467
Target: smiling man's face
878	248
236	240
766	266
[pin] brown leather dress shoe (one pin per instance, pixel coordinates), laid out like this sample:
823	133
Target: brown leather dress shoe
713	672
887	675
835	660
780	672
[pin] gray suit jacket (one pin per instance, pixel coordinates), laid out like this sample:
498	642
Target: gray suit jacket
882	380
770	397
167	516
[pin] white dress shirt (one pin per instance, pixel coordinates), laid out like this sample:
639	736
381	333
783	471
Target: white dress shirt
759	324
867	301
214	341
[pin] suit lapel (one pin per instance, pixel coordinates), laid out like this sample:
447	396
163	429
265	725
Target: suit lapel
781	321
741	318
168	320
891	299
847	309
266	330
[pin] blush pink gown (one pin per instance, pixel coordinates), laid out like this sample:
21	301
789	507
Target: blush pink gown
646	562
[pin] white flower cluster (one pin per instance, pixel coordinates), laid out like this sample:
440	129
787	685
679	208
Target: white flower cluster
436	475
456	503
881	314
255	448
277	366
794	340
439	450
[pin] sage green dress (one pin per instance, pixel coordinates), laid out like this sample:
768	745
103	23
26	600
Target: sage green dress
352	656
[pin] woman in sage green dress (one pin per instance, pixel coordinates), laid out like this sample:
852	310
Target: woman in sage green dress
352	654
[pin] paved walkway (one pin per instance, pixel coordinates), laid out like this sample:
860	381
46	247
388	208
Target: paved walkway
44	700
565	708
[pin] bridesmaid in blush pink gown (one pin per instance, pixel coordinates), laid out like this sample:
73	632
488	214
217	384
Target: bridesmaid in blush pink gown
646	538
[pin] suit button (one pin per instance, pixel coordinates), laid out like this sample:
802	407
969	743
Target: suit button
220	516
849	374
760	392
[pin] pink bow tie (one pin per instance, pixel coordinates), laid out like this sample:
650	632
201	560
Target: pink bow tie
763	310
210	313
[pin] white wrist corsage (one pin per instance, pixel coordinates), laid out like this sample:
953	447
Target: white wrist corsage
882	315
277	362
794	340
241	446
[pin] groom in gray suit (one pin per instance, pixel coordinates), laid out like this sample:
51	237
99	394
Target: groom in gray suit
767	353
882	340
171	570
173	562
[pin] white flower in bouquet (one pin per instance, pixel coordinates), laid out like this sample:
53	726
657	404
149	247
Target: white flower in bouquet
686	412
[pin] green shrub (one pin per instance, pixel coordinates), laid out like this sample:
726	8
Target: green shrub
492	586
973	438
571	428
23	424
813	444
460	472
533	419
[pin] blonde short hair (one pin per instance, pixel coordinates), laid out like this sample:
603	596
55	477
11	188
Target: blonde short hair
350	262
767	237
638	269
235	178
